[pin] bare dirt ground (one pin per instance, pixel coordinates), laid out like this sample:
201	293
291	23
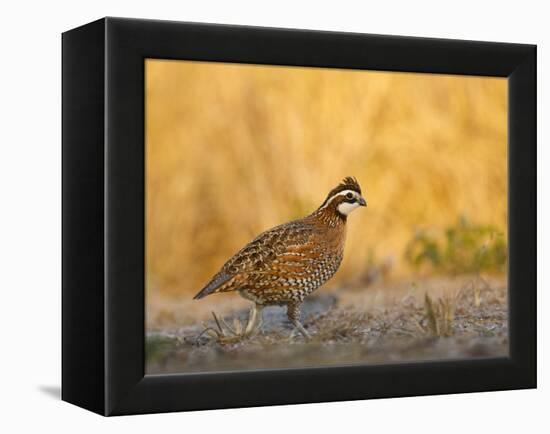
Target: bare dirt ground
424	319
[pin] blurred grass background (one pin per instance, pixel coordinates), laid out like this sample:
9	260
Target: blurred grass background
232	150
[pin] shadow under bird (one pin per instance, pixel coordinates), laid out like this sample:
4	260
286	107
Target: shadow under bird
285	264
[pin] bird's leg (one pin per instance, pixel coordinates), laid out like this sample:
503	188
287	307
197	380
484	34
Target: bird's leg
293	313
254	320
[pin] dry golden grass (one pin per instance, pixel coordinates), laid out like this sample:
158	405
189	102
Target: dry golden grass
235	149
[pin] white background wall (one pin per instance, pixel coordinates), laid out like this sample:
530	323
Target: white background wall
30	182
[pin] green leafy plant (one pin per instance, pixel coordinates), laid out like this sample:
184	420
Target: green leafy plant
461	248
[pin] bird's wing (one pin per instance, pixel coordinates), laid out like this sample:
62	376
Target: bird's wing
277	251
282	243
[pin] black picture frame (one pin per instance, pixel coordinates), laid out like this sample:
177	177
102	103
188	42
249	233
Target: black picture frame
103	215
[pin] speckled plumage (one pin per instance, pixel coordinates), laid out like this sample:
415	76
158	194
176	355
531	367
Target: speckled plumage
285	264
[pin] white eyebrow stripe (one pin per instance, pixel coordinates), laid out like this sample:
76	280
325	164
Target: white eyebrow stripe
341	193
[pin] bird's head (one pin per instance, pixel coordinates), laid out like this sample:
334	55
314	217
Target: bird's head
345	197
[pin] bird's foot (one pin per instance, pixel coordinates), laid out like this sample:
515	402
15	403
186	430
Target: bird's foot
299	329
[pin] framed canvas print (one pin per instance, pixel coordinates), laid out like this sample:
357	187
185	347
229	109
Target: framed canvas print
257	216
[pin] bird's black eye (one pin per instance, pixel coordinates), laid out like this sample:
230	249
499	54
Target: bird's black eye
349	196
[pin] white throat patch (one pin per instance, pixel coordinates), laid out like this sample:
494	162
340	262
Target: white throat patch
345	207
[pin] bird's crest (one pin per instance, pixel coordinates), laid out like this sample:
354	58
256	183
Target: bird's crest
348	183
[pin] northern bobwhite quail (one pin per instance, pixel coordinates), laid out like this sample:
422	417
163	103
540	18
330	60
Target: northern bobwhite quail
285	264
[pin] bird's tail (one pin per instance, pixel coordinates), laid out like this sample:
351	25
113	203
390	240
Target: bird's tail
216	284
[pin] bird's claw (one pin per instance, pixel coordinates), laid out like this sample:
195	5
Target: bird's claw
299	329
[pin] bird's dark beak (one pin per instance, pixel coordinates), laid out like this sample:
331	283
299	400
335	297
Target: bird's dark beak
362	202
